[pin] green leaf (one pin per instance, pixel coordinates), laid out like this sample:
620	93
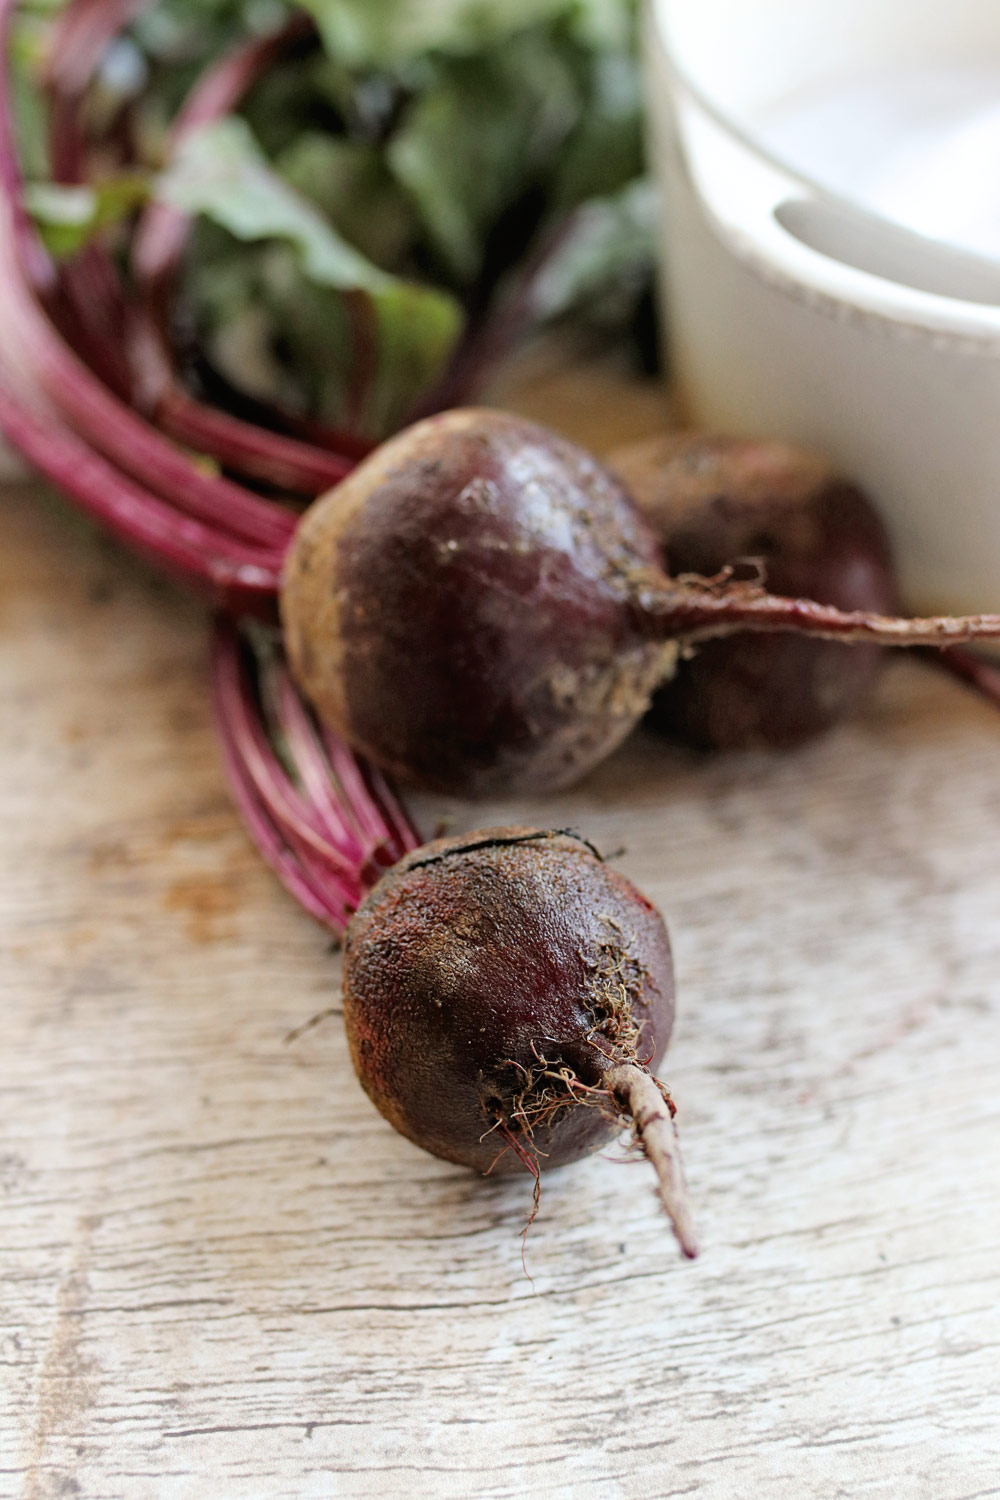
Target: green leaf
220	172
608	248
604	25
404	369
351	185
176	30
447	139
474	142
221	175
180	39
30	32
69	217
605	151
386	33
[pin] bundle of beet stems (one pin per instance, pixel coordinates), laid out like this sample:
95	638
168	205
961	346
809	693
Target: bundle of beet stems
90	395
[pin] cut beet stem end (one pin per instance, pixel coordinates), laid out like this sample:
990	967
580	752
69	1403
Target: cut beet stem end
698	610
325	822
638	1094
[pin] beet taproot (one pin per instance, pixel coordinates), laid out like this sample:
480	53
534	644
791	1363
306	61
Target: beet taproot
783	514
481	608
506	995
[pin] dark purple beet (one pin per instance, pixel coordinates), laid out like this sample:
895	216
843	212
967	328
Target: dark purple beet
458	608
506	994
715	502
481	608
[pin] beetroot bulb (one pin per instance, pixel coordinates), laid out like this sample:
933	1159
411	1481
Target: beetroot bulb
506	995
481	608
721	502
506	992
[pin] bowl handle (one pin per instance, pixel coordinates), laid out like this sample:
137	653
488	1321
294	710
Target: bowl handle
814	244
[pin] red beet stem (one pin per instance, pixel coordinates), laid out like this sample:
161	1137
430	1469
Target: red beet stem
638	1094
319	901
405	832
81	36
287	809
89	302
104	421
239	576
693	610
255	452
238	573
162	232
365	815
305	748
487	340
307	802
95	304
191	546
91	314
123	437
251	451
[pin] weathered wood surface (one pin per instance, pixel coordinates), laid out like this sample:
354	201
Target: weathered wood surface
224	1276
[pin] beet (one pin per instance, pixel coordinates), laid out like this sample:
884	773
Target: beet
505	991
777	511
481	608
506	994
458	608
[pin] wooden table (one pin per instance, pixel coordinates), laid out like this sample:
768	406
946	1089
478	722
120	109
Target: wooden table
224	1276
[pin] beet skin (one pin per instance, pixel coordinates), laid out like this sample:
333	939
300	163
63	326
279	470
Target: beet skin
714	501
492	982
462	608
480	606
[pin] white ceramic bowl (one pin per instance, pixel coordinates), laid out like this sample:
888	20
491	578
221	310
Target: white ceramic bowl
792	308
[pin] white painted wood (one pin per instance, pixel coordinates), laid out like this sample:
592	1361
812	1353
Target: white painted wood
224	1276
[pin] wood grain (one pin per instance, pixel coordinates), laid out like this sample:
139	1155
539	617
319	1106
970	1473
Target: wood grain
225	1277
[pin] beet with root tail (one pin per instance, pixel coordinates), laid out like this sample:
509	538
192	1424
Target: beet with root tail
481	608
506	996
506	992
